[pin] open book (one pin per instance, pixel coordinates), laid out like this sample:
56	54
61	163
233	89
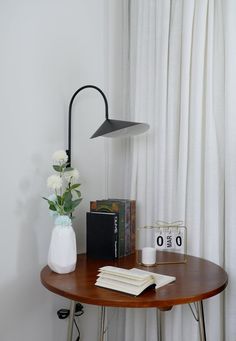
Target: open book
131	281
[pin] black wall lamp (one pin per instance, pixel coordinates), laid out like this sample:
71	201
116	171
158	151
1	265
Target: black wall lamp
110	127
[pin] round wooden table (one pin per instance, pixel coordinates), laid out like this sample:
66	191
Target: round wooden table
196	280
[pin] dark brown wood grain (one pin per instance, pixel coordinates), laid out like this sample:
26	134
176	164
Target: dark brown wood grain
196	280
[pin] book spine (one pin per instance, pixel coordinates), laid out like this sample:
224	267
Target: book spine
116	236
127	228
93	206
126	203
132	226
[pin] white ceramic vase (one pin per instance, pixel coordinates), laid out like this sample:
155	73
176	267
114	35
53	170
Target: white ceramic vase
62	253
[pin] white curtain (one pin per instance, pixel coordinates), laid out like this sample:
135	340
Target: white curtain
181	80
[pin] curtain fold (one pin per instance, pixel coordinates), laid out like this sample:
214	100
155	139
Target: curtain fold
229	10
181	78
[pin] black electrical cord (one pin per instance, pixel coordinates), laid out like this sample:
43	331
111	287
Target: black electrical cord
78	338
64	313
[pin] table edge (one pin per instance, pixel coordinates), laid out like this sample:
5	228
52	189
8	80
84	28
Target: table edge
133	304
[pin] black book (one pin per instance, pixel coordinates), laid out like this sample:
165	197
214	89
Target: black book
102	235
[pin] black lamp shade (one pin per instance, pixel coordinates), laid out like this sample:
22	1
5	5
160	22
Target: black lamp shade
117	128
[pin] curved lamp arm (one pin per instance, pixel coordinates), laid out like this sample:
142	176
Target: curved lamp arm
110	127
70	114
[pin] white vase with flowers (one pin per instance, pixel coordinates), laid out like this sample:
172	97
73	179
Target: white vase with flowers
62	202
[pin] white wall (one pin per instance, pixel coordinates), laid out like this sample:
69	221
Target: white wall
49	48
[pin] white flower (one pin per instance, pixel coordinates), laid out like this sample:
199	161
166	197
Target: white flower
60	156
72	175
54	182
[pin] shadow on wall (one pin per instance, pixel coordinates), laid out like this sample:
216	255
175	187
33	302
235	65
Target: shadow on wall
26	305
23	298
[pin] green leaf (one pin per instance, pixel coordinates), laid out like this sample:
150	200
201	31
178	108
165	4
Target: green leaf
67	201
52	208
50	202
67	196
57	168
68	209
60	200
76	202
78	193
74	186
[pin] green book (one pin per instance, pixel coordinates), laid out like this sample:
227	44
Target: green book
127	204
132	226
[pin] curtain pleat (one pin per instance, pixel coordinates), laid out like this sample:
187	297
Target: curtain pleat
229	9
184	168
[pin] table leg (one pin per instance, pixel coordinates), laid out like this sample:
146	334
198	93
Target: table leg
71	320
102	324
159	325
201	321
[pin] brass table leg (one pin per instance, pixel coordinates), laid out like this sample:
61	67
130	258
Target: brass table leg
159	325
201	321
71	320
102	330
198	315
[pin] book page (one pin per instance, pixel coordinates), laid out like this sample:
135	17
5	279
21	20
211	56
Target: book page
132	281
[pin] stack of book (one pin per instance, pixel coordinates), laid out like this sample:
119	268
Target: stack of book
111	225
133	281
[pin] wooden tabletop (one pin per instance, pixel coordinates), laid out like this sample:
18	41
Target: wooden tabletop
196	280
